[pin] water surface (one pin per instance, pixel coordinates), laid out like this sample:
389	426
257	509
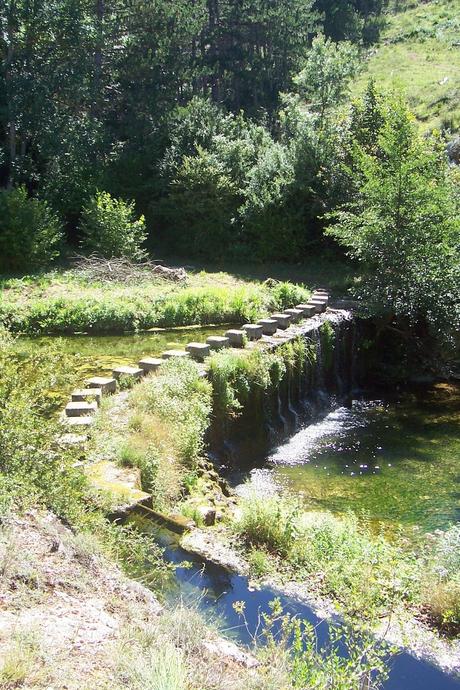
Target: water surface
398	462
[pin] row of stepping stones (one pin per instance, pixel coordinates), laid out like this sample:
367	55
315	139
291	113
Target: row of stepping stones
84	403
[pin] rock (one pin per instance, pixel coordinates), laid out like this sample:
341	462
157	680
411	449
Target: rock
79	421
169	354
283	320
307	309
225	649
295	314
135	373
85	394
207	514
453	151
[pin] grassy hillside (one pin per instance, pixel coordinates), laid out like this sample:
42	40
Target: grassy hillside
420	51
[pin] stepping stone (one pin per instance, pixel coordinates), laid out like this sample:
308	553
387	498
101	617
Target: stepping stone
253	331
198	350
236	337
296	314
269	326
79	421
80	409
128	372
307	309
320	304
217	342
283	320
150	364
87	394
106	384
169	354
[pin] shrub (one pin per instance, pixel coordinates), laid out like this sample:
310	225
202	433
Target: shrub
30	232
110	229
234	374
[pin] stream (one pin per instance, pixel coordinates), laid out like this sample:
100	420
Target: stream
214	591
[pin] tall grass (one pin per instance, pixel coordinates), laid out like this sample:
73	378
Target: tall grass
71	307
170	414
338	556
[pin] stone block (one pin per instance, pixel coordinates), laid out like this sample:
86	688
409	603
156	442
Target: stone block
169	354
253	331
319	303
80	422
269	326
295	314
198	350
149	364
87	395
216	342
236	337
80	409
307	309
283	320
107	385
128	372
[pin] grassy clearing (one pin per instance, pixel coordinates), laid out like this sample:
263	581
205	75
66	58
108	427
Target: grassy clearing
62	301
342	559
419	53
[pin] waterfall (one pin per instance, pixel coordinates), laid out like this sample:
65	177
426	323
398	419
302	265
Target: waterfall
324	379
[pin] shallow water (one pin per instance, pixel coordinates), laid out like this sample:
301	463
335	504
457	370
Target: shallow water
214	591
397	461
97	355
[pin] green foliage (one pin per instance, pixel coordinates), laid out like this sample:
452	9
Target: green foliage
33	469
351	660
269	522
82	307
30	232
339	556
324	80
110	229
236	374
171	412
403	225
441	587
354	20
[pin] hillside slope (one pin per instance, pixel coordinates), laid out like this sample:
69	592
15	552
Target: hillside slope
420	52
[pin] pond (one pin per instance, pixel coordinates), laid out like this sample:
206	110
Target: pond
396	461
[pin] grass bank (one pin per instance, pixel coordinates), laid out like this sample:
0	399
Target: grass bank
342	559
64	302
419	52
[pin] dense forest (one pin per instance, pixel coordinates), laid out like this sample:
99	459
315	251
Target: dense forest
220	129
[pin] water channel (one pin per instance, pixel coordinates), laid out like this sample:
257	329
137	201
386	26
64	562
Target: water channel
393	458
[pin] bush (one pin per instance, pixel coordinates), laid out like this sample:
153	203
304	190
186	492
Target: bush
110	229
30	232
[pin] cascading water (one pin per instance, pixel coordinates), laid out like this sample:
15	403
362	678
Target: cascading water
324	379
